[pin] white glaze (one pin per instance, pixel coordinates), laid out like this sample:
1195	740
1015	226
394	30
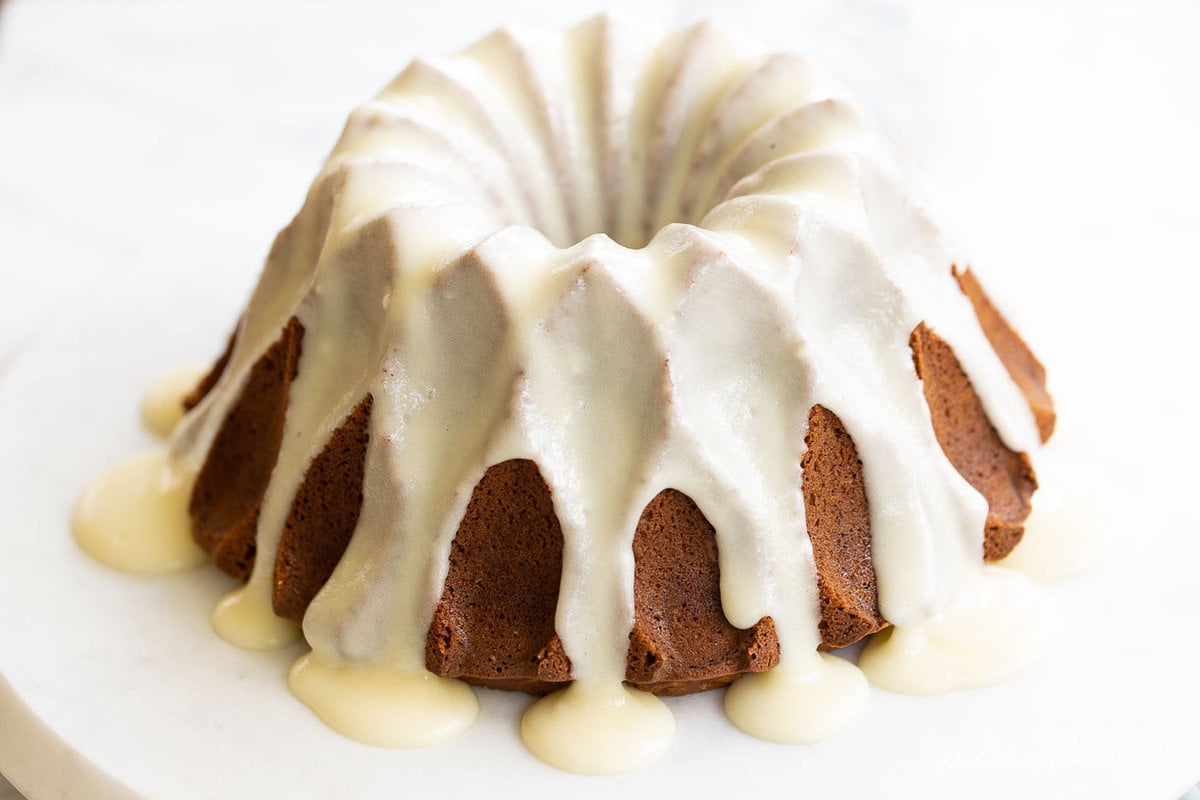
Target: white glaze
458	259
243	621
162	407
798	704
382	706
1069	532
995	630
598	730
1072	528
134	517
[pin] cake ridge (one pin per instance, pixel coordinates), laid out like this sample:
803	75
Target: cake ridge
781	78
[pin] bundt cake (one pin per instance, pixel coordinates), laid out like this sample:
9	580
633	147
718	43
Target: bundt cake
615	361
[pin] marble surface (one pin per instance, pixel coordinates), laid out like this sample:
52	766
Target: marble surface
1061	136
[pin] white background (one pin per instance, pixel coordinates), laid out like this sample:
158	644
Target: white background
1062	139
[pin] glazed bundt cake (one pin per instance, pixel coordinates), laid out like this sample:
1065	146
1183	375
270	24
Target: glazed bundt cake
607	357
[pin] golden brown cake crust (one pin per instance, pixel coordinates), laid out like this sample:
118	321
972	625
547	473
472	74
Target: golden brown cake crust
229	489
1004	477
323	515
1018	359
494	625
839	526
681	641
